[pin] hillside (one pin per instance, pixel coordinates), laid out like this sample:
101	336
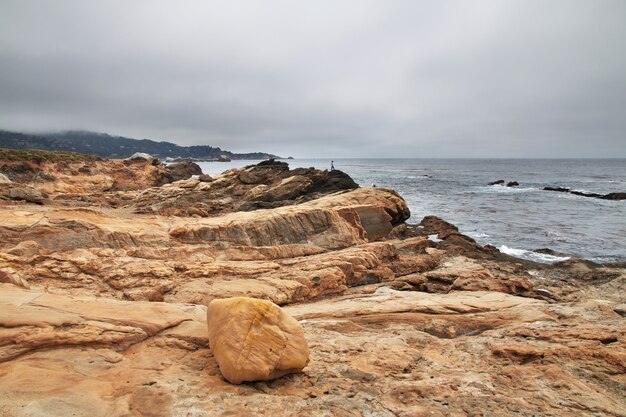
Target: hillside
108	146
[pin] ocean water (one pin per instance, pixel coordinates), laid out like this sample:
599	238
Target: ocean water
517	220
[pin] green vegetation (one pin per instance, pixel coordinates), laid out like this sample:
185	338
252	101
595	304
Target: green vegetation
38	156
107	146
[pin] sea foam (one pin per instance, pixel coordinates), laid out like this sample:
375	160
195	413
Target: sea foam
532	256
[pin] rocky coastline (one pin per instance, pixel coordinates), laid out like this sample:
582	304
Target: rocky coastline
107	268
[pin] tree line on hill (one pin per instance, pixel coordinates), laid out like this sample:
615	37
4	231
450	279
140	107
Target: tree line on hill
108	146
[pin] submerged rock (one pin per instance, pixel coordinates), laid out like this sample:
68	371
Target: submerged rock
498	182
559	189
512	184
255	340
585	194
614	196
609	196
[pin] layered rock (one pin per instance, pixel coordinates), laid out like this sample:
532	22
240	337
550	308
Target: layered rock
67	174
286	255
380	352
269	184
398	322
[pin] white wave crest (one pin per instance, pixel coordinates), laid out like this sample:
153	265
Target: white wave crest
434	238
532	256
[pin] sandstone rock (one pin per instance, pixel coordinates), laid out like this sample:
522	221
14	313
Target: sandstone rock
269	184
77	346
27	194
262	172
375	221
372	353
435	225
331	222
288	189
76	176
254	340
26	248
10	276
4	179
183	170
517	286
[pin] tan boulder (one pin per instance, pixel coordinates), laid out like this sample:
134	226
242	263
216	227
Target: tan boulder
255	340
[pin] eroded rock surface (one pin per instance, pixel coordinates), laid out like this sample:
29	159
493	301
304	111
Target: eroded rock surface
269	184
82	178
375	351
400	319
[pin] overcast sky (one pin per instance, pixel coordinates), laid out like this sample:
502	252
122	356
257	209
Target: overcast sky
321	78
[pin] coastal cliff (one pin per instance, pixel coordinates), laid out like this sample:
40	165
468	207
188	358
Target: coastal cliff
106	272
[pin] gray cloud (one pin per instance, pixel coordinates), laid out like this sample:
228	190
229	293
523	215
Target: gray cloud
354	78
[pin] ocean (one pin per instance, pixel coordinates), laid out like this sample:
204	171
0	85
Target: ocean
517	220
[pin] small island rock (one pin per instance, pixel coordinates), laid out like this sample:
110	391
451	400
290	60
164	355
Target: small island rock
254	340
614	196
559	189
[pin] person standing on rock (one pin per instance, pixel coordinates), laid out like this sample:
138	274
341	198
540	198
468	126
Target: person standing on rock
332	165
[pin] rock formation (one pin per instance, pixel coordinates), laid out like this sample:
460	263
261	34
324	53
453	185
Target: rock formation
64	175
269	184
609	196
254	340
103	295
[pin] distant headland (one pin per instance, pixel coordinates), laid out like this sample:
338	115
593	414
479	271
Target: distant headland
109	146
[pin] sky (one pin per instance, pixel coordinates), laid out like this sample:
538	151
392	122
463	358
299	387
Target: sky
324	78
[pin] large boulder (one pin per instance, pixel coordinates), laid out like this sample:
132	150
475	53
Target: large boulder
255	340
183	170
